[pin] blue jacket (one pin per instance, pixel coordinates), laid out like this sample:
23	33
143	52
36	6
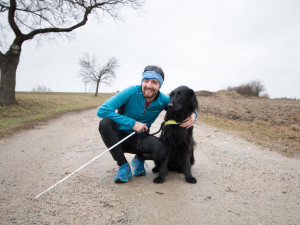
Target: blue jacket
135	108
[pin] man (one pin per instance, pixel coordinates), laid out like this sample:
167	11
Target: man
141	105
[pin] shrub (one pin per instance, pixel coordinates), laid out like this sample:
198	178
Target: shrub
252	88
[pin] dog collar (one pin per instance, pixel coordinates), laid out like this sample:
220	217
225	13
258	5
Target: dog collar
169	122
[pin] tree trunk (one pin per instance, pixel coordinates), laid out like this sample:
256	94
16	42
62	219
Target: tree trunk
8	67
96	93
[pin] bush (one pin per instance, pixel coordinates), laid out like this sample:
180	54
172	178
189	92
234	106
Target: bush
252	88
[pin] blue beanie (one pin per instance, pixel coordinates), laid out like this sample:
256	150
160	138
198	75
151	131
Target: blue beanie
153	75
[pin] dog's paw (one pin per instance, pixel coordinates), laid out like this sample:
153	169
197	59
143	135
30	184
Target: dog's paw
191	180
158	180
155	169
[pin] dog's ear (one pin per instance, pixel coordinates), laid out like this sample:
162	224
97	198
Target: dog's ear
193	99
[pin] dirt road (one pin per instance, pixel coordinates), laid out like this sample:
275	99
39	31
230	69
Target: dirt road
238	182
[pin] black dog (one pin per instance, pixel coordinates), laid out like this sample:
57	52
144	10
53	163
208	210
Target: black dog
178	141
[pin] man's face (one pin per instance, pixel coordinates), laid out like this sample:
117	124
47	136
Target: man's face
150	89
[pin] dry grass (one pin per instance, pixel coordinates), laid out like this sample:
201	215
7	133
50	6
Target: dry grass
272	123
36	107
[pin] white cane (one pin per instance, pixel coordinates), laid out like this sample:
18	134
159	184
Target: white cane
62	180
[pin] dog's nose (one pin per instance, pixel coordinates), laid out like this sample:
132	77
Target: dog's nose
170	104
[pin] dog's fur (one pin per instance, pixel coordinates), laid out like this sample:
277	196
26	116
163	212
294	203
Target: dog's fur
178	141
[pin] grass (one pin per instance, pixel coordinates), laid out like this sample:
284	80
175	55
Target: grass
284	139
37	107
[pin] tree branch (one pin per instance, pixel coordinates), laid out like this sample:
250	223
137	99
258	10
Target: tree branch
63	16
3	8
37	13
88	11
11	21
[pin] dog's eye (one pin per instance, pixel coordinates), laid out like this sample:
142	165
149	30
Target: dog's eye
179	93
172	94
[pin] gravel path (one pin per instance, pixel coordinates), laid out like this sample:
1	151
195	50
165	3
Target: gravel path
238	182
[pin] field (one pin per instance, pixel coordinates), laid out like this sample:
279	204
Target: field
274	123
36	107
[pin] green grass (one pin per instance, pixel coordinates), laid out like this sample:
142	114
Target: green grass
36	107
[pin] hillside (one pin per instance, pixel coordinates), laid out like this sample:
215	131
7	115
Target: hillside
272	122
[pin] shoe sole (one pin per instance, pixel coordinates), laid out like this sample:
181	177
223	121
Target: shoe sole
118	180
121	181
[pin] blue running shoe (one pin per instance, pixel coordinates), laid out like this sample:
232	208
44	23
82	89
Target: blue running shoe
123	174
138	167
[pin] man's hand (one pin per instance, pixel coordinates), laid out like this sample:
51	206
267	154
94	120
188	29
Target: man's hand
140	127
188	122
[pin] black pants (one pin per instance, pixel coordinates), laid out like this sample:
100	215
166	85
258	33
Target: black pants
151	147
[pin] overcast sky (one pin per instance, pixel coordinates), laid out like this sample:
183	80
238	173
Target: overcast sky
204	44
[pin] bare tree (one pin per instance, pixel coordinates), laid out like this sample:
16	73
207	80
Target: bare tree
257	87
27	19
41	88
91	71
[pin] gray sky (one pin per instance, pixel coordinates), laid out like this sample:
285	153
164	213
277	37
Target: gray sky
204	44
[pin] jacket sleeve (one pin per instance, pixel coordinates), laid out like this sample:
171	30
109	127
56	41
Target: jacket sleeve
107	109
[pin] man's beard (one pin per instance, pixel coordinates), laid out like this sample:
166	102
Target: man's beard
149	93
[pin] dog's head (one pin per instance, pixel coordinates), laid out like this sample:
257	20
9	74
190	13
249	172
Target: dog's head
183	98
